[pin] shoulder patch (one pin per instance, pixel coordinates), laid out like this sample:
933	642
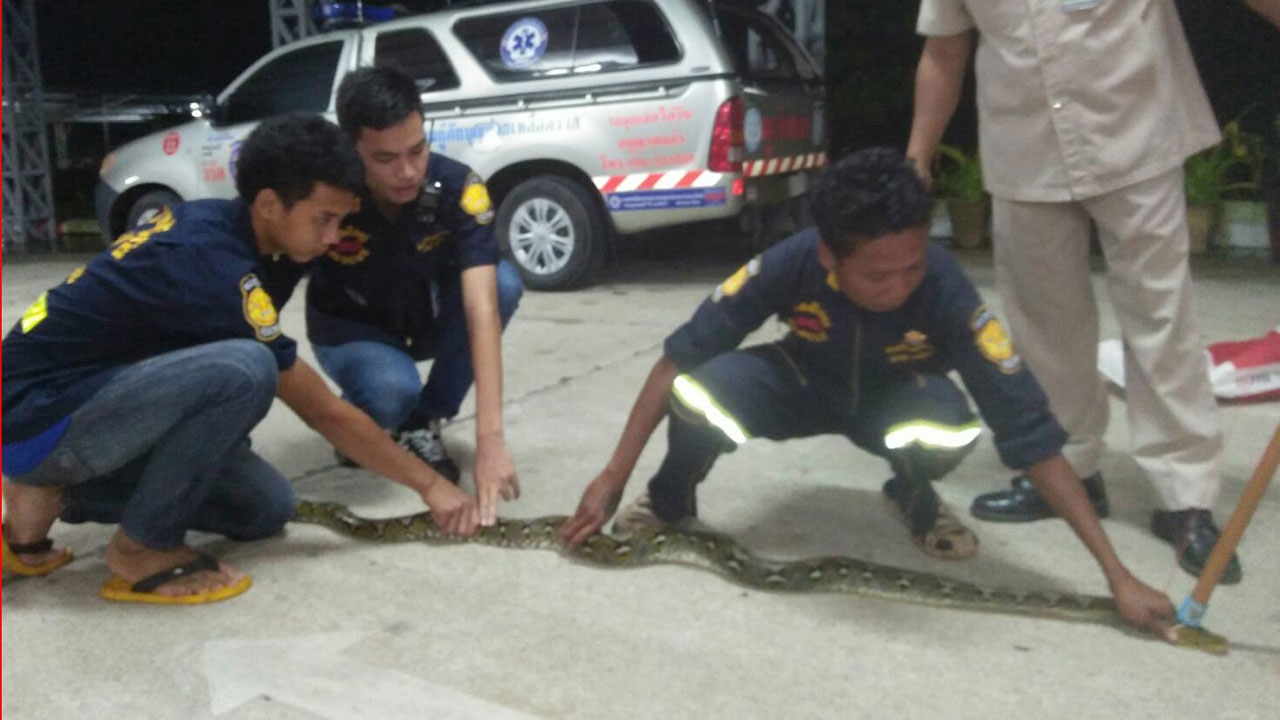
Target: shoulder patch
993	342
475	200
259	310
734	282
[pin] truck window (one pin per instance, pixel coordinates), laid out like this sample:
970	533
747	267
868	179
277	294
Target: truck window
297	81
417	53
584	38
757	50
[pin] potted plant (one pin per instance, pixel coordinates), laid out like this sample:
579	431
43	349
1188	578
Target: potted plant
957	179
1214	174
1269	184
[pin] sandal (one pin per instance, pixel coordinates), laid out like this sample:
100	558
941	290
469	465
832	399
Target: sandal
118	589
14	564
946	539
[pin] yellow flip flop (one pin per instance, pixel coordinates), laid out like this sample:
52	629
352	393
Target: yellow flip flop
117	589
14	564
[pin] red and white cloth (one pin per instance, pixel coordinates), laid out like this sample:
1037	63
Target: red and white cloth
1241	370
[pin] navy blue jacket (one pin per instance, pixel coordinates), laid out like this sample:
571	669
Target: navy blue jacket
850	351
191	276
383	282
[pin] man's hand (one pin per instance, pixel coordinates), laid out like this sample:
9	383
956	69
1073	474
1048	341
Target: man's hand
495	477
599	503
924	171
454	510
1144	607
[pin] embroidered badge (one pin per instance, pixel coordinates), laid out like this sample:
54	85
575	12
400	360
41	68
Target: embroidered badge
352	246
432	241
993	342
475	200
913	348
734	283
258	308
130	240
809	321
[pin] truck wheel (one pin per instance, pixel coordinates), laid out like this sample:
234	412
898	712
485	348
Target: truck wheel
554	231
148	206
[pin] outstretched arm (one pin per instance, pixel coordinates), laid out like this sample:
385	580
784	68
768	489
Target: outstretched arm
1140	605
360	438
600	499
495	473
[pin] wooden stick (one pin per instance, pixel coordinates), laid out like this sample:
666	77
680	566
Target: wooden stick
1195	605
1234	529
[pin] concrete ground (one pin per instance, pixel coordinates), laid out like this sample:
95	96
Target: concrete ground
338	628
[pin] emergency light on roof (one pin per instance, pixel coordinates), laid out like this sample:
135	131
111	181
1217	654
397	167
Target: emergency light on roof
335	15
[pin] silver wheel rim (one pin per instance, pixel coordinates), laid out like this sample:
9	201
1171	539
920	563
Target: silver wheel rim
542	237
147	216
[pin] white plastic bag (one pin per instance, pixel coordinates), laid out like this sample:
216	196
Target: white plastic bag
1241	370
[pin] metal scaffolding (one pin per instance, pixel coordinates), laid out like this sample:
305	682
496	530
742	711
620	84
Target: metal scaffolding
28	188
290	20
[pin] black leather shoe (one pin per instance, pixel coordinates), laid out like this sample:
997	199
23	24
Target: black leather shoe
1023	503
1193	534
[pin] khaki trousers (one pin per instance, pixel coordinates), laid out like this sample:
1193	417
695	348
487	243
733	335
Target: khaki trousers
1042	275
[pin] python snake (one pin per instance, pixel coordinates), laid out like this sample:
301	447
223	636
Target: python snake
723	555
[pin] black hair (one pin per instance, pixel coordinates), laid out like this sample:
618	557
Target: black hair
292	153
869	194
376	97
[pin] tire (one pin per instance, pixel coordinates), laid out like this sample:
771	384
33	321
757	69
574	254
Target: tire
554	231
148	205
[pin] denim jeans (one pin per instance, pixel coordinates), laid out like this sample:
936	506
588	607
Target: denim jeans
384	381
164	448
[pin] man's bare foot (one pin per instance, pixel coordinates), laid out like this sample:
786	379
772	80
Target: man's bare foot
29	513
134	561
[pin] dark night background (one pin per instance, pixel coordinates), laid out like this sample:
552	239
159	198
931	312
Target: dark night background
198	46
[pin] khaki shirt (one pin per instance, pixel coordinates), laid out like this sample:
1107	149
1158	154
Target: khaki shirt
1076	103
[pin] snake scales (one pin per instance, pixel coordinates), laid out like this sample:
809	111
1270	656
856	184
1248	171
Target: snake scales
723	555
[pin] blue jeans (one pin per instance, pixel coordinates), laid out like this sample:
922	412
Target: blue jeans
383	380
164	448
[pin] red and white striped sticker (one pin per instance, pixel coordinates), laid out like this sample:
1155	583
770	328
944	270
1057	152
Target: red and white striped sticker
774	166
657	181
704	178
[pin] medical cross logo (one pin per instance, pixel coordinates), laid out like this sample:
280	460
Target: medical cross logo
524	42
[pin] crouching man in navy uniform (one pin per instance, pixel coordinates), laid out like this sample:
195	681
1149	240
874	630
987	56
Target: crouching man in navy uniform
877	317
130	389
417	275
